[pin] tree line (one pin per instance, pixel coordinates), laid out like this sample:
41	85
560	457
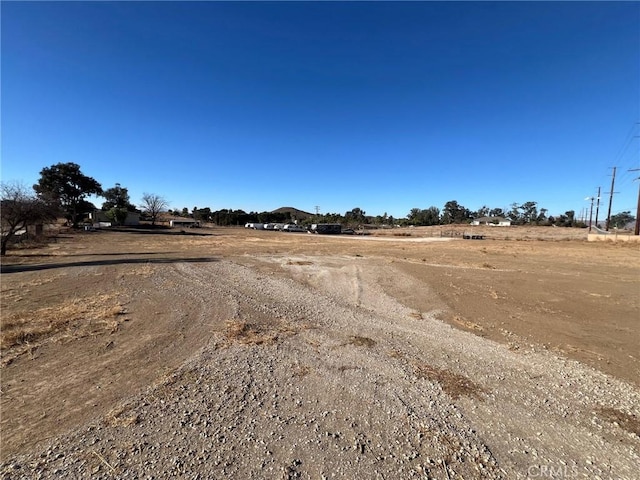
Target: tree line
452	213
62	190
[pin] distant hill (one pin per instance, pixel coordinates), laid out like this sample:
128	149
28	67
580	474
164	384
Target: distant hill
293	213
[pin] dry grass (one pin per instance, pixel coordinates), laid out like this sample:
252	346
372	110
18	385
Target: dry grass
144	270
299	262
16	292
394	353
245	333
122	416
627	422
453	384
361	341
300	370
22	332
466	323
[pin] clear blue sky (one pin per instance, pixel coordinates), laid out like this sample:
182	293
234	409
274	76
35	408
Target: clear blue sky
384	106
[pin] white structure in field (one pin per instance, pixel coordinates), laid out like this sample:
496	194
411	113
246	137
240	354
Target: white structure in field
184	222
492	221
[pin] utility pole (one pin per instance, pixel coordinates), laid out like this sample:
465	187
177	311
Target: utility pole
613	179
590	212
637	229
597	206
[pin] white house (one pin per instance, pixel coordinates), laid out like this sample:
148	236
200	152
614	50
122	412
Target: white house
492	221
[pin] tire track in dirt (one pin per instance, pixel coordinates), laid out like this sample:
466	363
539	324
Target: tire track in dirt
357	387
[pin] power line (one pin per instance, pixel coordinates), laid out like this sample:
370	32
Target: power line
627	141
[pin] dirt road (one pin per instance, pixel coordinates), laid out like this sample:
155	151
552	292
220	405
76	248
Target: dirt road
238	354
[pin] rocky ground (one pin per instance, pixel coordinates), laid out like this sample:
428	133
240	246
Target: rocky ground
244	357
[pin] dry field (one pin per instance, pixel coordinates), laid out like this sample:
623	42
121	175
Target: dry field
228	353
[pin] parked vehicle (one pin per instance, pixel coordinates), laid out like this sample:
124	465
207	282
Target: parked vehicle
293	228
327	228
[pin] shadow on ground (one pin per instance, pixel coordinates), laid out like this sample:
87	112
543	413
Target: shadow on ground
91	263
154	231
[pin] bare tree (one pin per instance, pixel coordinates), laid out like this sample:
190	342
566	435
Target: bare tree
152	205
19	209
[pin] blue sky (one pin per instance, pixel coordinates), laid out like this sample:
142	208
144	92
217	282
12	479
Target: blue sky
384	106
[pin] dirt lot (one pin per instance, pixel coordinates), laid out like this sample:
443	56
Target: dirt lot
229	353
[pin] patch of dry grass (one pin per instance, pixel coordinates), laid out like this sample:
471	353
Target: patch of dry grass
246	333
300	370
24	331
453	384
299	262
144	270
394	353
122	416
627	422
466	323
14	292
361	341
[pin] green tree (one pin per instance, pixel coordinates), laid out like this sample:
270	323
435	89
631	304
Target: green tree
454	213
432	216
20	208
566	220
496	212
64	185
414	216
202	214
117	204
355	216
542	217
620	220
529	212
117	197
514	215
482	212
118	216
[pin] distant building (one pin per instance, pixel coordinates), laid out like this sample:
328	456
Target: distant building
184	222
100	217
492	221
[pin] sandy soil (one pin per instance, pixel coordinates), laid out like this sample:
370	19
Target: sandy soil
228	353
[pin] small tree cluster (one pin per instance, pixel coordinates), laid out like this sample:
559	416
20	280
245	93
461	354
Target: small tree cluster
20	209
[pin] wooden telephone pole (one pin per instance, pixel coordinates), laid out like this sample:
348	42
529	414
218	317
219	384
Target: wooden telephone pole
597	206
637	229
613	179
